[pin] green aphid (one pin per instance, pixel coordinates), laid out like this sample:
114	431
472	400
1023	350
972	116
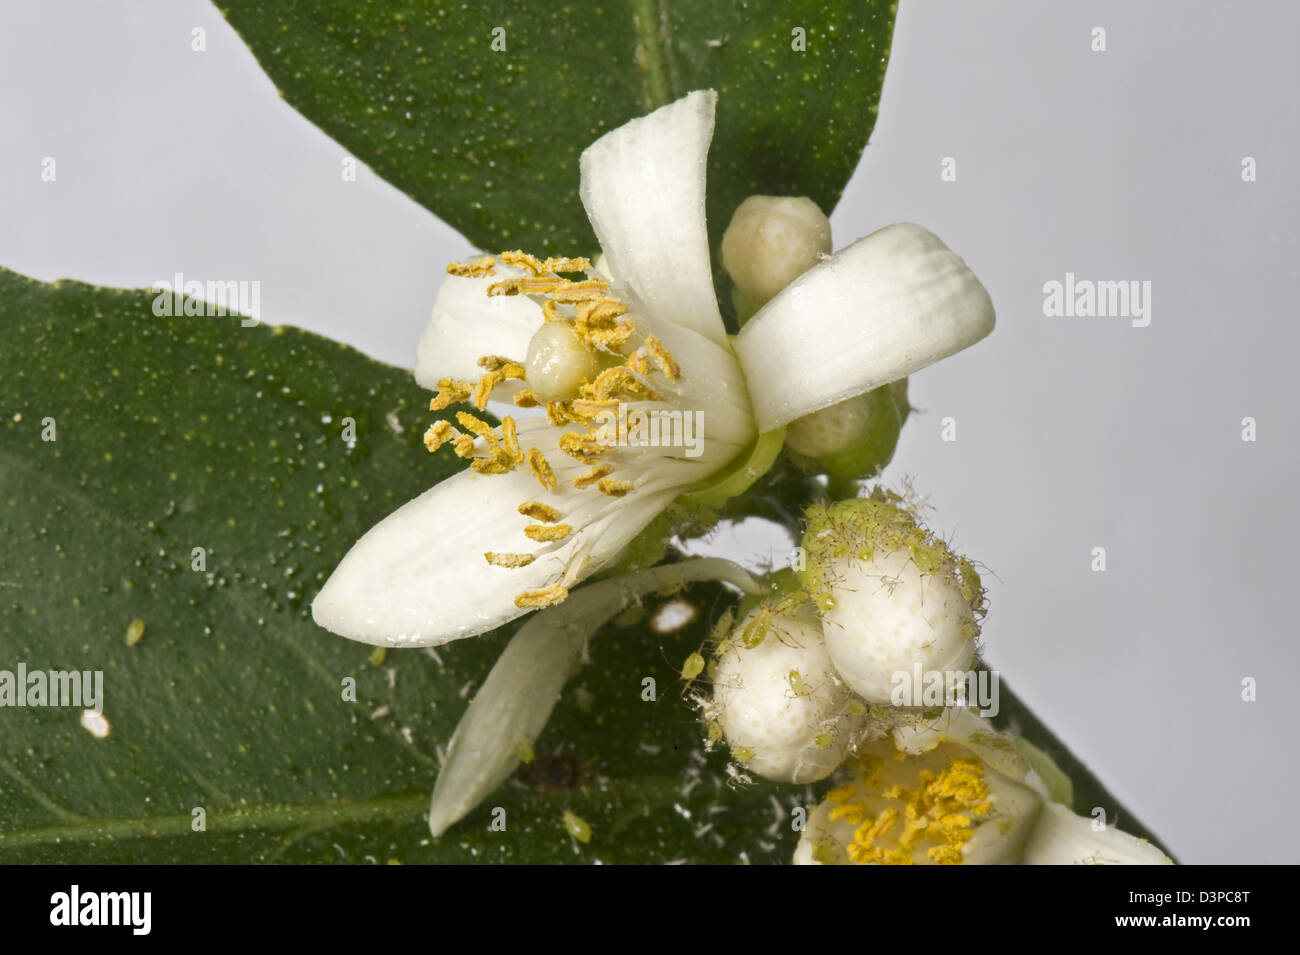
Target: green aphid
577	827
134	632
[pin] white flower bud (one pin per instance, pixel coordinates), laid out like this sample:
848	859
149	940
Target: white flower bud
558	362
893	597
778	700
852	438
771	241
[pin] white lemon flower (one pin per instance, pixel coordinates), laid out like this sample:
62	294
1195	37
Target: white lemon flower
550	501
954	792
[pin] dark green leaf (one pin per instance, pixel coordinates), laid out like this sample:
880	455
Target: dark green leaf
489	139
185	432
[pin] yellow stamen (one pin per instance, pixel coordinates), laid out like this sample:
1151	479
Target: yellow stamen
571	293
587	408
663	358
584	447
541	469
590	476
483	390
525	399
544	534
551	266
611	338
450	391
510	441
615	488
601	311
476	426
509	560
472	270
539	512
522	260
546	597
439	433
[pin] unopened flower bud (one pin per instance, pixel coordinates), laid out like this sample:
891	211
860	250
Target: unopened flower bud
776	697
853	438
893	596
771	241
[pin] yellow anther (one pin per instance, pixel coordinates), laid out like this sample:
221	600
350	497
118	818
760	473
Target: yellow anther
539	512
508	367
544	534
567	265
601	311
615	488
584	447
588	408
522	260
621	378
546	597
557	414
472	270
497	462
663	358
483	390
571	293
541	469
464	446
590	476
510	441
450	391
525	399
612	338
476	426
509	560
439	433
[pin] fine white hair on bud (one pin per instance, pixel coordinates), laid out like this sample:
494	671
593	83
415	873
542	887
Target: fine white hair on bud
558	362
777	699
893	597
771	241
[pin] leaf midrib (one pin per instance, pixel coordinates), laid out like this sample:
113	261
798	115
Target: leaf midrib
647	18
273	816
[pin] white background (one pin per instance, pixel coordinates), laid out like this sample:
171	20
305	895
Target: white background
1071	433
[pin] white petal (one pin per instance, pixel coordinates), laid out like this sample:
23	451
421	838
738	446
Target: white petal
874	312
1063	838
467	325
517	698
643	188
419	577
